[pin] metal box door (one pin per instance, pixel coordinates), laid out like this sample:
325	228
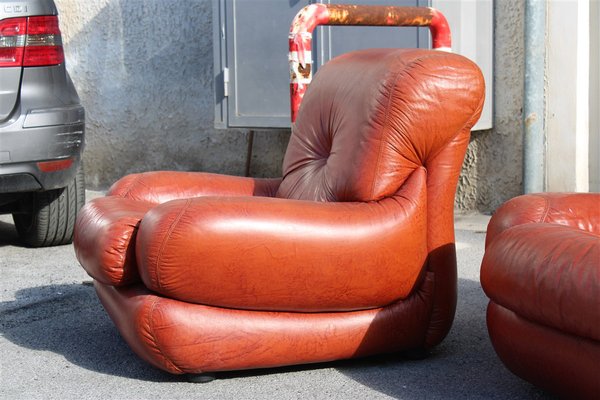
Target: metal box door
251	50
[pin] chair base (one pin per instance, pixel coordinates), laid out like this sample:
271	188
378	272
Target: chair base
555	361
201	378
419	353
196	339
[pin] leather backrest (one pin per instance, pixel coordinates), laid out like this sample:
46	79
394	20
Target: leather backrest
371	117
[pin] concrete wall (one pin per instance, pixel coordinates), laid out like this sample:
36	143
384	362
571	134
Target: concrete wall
143	70
492	172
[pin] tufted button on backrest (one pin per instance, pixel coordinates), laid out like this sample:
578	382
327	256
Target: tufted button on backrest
371	117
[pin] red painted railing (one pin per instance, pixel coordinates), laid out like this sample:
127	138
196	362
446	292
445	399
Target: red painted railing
311	16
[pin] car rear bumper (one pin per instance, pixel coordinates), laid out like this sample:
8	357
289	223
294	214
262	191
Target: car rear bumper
41	136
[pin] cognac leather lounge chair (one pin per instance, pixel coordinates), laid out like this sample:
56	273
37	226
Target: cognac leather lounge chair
350	253
541	271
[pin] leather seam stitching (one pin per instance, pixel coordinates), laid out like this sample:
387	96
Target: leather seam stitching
151	330
383	128
387	112
164	242
131	185
546	208
459	131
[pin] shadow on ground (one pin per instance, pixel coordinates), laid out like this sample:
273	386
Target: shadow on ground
464	365
69	320
8	234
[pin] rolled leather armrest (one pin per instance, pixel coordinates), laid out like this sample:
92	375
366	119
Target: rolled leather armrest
105	236
578	210
161	186
286	255
107	227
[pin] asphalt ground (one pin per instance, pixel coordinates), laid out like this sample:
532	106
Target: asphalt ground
56	342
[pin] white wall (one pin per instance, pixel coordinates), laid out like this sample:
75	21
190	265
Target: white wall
595	96
567	96
472	26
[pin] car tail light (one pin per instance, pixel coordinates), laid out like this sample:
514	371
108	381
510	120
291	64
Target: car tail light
30	42
43	45
12	41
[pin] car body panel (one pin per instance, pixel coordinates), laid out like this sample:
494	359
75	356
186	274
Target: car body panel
10	82
10	77
41	117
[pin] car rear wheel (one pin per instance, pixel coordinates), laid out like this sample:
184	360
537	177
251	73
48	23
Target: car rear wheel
51	214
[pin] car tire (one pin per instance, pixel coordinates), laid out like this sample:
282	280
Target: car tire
51	214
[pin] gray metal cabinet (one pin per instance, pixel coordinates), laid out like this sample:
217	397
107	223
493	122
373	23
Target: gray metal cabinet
250	45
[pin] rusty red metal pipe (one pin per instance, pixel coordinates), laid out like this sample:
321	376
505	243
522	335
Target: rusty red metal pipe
300	38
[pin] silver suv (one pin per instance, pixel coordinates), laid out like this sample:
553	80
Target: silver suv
42	126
